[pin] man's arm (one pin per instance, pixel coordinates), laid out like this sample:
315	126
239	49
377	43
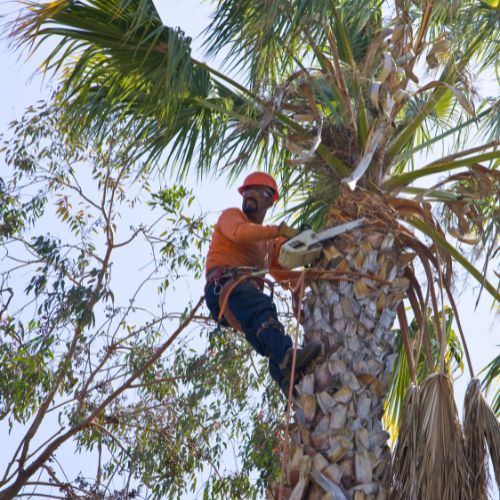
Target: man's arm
235	227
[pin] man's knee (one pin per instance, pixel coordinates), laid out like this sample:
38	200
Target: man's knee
270	322
250	306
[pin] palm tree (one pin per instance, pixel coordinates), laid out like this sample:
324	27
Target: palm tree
342	100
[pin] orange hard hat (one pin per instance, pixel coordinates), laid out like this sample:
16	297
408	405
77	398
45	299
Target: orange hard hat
260	179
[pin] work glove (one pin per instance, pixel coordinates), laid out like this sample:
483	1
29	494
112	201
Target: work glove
287	231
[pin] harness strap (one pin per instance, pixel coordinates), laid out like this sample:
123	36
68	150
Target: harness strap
216	273
269	323
226	290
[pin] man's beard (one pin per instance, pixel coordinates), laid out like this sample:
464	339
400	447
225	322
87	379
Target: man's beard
249	209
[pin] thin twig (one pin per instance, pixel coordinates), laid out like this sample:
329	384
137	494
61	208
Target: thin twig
27	472
63	486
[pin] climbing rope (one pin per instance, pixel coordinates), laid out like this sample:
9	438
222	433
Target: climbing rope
237	282
300	286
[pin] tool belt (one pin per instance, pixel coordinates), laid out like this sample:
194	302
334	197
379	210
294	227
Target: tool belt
231	277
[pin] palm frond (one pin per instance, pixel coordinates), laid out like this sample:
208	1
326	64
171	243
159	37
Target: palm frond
482	433
484	117
441	464
490	381
404	458
473	216
440	88
451	251
443	165
271	45
118	59
129	37
454	29
401	379
123	63
490	125
478	28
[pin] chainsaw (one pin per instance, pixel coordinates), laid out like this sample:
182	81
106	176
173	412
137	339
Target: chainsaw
305	248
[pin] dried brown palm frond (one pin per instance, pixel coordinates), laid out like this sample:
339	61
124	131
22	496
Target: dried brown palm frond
422	211
482	432
373	207
492	436
383	212
341	140
441	464
404	458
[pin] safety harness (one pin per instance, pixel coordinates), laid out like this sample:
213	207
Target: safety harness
232	277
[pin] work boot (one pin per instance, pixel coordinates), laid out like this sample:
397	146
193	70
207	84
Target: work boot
304	357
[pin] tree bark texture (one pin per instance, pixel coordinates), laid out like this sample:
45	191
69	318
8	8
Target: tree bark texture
338	446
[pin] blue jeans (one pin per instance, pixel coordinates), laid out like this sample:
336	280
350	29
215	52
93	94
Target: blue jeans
252	308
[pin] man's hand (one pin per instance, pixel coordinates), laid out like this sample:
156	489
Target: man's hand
287	231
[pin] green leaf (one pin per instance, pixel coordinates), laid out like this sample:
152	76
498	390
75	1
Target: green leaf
437	167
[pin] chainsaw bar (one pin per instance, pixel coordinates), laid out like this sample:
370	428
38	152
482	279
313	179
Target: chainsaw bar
334	231
305	248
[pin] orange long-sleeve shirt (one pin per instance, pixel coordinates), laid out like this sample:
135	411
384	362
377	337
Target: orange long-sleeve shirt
236	241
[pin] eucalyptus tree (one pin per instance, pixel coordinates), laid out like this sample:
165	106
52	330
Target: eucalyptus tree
342	100
86	348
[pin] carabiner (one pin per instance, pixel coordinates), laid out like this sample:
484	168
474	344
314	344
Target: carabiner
217	287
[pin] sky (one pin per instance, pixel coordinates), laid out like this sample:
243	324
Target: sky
21	86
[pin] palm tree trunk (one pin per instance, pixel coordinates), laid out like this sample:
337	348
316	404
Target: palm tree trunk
339	445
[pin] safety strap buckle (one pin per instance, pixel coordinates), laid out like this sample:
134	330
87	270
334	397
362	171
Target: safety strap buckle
270	323
217	286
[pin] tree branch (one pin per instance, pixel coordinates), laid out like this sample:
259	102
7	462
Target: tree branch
25	473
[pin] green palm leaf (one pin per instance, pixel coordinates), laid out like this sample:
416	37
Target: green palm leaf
401	376
490	382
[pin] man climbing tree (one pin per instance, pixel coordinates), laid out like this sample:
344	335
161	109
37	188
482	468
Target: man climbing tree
241	245
344	100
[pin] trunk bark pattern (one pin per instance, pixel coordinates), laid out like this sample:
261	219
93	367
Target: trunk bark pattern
339	447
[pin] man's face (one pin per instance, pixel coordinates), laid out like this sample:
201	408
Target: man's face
256	198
